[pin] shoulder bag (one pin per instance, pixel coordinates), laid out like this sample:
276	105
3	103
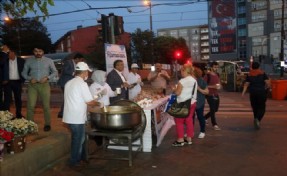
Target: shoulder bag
181	110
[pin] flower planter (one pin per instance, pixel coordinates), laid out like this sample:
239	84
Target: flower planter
1	151
16	145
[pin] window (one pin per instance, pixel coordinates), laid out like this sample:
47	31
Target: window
162	34
242	32
242	43
256	41
241	21
276	38
194	31
259	5
196	37
259	16
183	32
241	10
242	54
277	26
173	33
275	2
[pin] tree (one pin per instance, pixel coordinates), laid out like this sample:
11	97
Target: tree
163	47
97	57
141	45
26	33
19	8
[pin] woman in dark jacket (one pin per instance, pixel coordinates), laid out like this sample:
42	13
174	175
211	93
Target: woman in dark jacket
258	83
202	90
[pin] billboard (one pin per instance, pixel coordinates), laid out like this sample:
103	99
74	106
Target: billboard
116	52
222	26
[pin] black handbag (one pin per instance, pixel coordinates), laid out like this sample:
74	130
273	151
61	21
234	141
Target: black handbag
181	110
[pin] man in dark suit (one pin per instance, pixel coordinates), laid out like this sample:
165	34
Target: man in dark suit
3	76
116	79
14	68
67	73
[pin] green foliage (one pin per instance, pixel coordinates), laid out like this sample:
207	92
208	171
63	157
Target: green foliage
21	7
25	34
97	57
163	47
141	45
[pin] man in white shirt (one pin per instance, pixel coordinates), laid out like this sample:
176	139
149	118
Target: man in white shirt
135	82
77	97
14	83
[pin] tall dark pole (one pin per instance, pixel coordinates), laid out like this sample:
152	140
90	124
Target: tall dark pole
151	31
282	38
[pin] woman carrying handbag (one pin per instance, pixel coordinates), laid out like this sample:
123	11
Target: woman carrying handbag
185	91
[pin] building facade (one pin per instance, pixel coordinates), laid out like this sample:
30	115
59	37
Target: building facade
84	39
244	28
264	30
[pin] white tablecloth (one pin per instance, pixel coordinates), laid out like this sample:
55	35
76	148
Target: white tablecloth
161	121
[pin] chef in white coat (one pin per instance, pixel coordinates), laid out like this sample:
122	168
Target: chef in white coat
135	82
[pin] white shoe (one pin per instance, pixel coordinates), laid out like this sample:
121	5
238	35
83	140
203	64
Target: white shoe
201	135
215	127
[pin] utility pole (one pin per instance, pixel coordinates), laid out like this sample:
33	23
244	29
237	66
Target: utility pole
282	38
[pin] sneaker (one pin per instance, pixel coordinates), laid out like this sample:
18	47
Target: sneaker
201	135
178	144
216	127
256	124
187	142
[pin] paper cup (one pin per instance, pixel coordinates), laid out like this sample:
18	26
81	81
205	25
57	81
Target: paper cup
118	90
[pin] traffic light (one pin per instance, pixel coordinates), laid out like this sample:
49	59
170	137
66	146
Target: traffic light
104	28
118	25
178	54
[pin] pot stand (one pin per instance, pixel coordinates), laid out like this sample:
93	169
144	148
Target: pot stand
128	134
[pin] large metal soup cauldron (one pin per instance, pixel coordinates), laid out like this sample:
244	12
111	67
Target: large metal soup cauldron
116	117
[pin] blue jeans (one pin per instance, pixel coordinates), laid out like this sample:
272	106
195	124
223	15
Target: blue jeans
199	112
78	149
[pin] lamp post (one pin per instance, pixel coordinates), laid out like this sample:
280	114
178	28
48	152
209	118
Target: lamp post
148	3
282	38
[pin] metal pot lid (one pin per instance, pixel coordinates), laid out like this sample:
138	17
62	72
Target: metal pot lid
116	109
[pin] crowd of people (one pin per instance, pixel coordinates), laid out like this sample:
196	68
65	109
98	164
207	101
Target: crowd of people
108	88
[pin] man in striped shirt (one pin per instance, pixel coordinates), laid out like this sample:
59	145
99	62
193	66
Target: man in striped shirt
38	70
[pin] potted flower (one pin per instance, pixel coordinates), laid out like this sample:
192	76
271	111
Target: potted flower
5	136
20	128
5	116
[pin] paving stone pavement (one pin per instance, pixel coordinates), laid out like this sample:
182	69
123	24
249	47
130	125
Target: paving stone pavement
237	149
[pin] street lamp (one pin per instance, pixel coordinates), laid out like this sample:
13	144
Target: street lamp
148	3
